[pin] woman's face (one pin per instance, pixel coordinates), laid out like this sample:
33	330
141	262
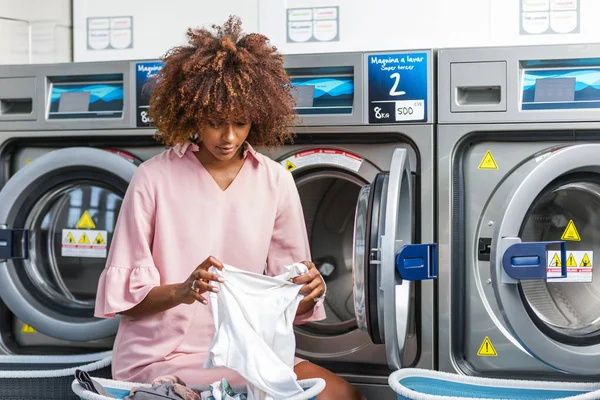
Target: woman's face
225	141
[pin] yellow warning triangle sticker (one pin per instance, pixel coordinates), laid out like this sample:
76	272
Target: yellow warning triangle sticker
27	161
555	261
571	261
86	222
289	165
488	161
27	329
487	348
571	233
69	238
84	239
585	262
99	239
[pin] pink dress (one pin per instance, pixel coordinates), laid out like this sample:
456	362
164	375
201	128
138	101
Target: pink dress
173	216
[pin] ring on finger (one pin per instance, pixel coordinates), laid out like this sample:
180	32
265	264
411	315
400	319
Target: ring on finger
194	286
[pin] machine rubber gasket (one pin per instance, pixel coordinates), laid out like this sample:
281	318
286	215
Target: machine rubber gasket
373	235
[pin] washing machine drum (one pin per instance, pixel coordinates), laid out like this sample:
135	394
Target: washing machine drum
568	312
59	213
328	199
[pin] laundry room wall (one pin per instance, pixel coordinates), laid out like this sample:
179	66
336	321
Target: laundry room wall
143	29
153	26
35	31
376	25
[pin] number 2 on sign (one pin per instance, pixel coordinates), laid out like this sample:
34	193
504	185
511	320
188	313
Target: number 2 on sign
394	91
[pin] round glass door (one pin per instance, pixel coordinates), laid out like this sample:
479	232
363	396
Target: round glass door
568	312
64	267
68	200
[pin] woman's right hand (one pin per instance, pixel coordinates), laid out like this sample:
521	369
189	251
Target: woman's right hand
199	282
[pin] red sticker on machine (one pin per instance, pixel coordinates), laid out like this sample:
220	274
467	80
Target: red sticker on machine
334	157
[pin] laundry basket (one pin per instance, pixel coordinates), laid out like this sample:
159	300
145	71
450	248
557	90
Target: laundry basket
312	387
419	384
45	377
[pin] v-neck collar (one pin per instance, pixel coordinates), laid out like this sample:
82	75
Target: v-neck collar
189	149
236	178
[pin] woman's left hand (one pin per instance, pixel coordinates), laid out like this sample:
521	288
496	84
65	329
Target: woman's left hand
314	286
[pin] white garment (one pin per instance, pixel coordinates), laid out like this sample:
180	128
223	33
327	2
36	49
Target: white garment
254	334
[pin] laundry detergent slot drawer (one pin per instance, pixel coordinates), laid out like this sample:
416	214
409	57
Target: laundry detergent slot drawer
16	99
478	86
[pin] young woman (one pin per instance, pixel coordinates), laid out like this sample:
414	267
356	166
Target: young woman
210	199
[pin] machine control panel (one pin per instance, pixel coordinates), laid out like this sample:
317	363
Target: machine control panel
568	84
85	96
323	91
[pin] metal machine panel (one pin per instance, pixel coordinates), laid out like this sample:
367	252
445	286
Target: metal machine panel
478	86
329	88
16	99
544	83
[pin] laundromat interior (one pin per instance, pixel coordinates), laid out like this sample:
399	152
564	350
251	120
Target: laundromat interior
445	164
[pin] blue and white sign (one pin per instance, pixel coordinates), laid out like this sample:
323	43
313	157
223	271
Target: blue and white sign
397	87
143	72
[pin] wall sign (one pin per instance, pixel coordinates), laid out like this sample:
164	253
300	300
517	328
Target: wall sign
110	33
317	24
539	17
397	87
143	72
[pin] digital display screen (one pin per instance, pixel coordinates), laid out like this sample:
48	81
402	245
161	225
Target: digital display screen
561	88
76	100
556	89
327	95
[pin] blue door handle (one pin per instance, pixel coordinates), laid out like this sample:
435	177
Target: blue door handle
529	260
417	262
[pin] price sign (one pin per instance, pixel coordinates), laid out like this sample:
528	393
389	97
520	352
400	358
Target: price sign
143	72
397	87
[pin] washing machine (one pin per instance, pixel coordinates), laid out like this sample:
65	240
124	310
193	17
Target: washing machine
519	188
72	136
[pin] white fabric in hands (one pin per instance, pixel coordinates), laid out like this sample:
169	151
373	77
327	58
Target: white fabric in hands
254	334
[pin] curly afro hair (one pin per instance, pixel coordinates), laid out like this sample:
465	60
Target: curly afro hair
223	76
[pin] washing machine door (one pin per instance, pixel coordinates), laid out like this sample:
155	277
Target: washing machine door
386	262
542	257
57	217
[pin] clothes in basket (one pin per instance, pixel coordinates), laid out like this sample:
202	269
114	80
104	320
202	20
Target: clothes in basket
120	390
419	384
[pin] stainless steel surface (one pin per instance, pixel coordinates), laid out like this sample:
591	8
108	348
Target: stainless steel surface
492	204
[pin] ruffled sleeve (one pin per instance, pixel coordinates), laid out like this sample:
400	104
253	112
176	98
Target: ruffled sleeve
130	272
289	242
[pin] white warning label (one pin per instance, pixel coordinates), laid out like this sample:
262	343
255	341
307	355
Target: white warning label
580	266
83	243
323	156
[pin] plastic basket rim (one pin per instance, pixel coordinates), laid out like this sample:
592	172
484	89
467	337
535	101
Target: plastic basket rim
55	373
396	376
314	385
